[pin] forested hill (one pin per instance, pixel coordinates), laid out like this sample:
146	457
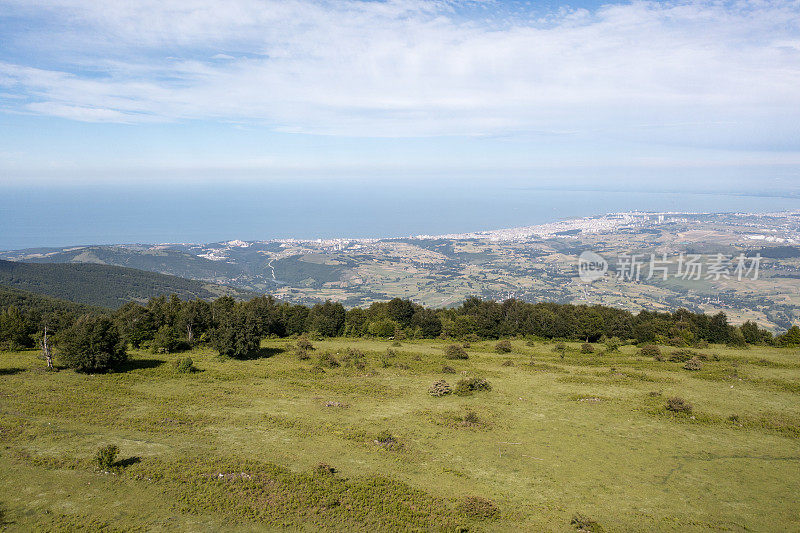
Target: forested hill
104	285
29	301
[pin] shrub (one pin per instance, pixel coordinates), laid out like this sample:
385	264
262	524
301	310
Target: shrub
702	343
676	404
355	357
304	344
530	342
681	356
302	354
184	365
439	388
584	523
448	369
323	469
477	507
693	364
387	440
454	351
587	348
470	418
508	362
467	386
397	344
92	344
503	346
560	347
612	345
327	360
106	457
651	350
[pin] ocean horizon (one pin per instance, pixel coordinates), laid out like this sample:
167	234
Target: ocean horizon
34	217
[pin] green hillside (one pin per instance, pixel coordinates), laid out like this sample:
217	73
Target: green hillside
29	301
104	285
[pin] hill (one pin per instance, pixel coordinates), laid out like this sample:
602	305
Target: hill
104	285
29	301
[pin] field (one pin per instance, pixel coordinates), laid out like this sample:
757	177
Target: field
237	445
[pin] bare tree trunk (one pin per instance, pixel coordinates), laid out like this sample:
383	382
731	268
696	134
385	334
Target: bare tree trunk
48	355
189	332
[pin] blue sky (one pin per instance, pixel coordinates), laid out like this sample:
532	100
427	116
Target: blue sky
169	90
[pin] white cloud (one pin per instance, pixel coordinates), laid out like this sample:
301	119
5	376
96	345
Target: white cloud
722	73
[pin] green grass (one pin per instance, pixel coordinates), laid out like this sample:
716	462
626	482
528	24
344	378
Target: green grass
237	444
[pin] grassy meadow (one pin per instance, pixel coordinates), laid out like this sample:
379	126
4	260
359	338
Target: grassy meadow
250	445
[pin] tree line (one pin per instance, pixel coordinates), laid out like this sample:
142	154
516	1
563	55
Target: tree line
235	328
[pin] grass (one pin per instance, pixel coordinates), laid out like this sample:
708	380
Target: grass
237	445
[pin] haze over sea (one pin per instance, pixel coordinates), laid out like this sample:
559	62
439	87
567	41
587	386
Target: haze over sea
37	216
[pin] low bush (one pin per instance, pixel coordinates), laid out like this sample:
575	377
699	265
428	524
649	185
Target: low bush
693	364
587	348
327	360
612	345
503	346
304	344
585	524
560	347
302	354
355	358
676	404
184	365
439	388
467	386
454	351
397	344
479	508
681	356
651	350
470	418
446	369
508	362
106	457
386	440
323	469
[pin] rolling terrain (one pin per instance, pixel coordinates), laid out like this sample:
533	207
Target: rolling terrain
103	285
350	439
536	263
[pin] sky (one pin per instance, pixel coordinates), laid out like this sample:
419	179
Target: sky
701	94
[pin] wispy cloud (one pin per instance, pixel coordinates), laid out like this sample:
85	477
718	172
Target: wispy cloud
716	73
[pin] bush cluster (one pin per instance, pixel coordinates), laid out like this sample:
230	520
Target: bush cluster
467	386
106	457
693	364
676	404
651	350
184	365
454	351
503	346
439	388
587	347
480	508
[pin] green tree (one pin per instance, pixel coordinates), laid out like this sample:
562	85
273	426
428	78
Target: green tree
92	344
236	333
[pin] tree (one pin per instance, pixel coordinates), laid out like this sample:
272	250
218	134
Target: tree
236	334
92	344
326	319
790	338
400	311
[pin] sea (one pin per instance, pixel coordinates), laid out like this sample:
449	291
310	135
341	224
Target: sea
56	216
